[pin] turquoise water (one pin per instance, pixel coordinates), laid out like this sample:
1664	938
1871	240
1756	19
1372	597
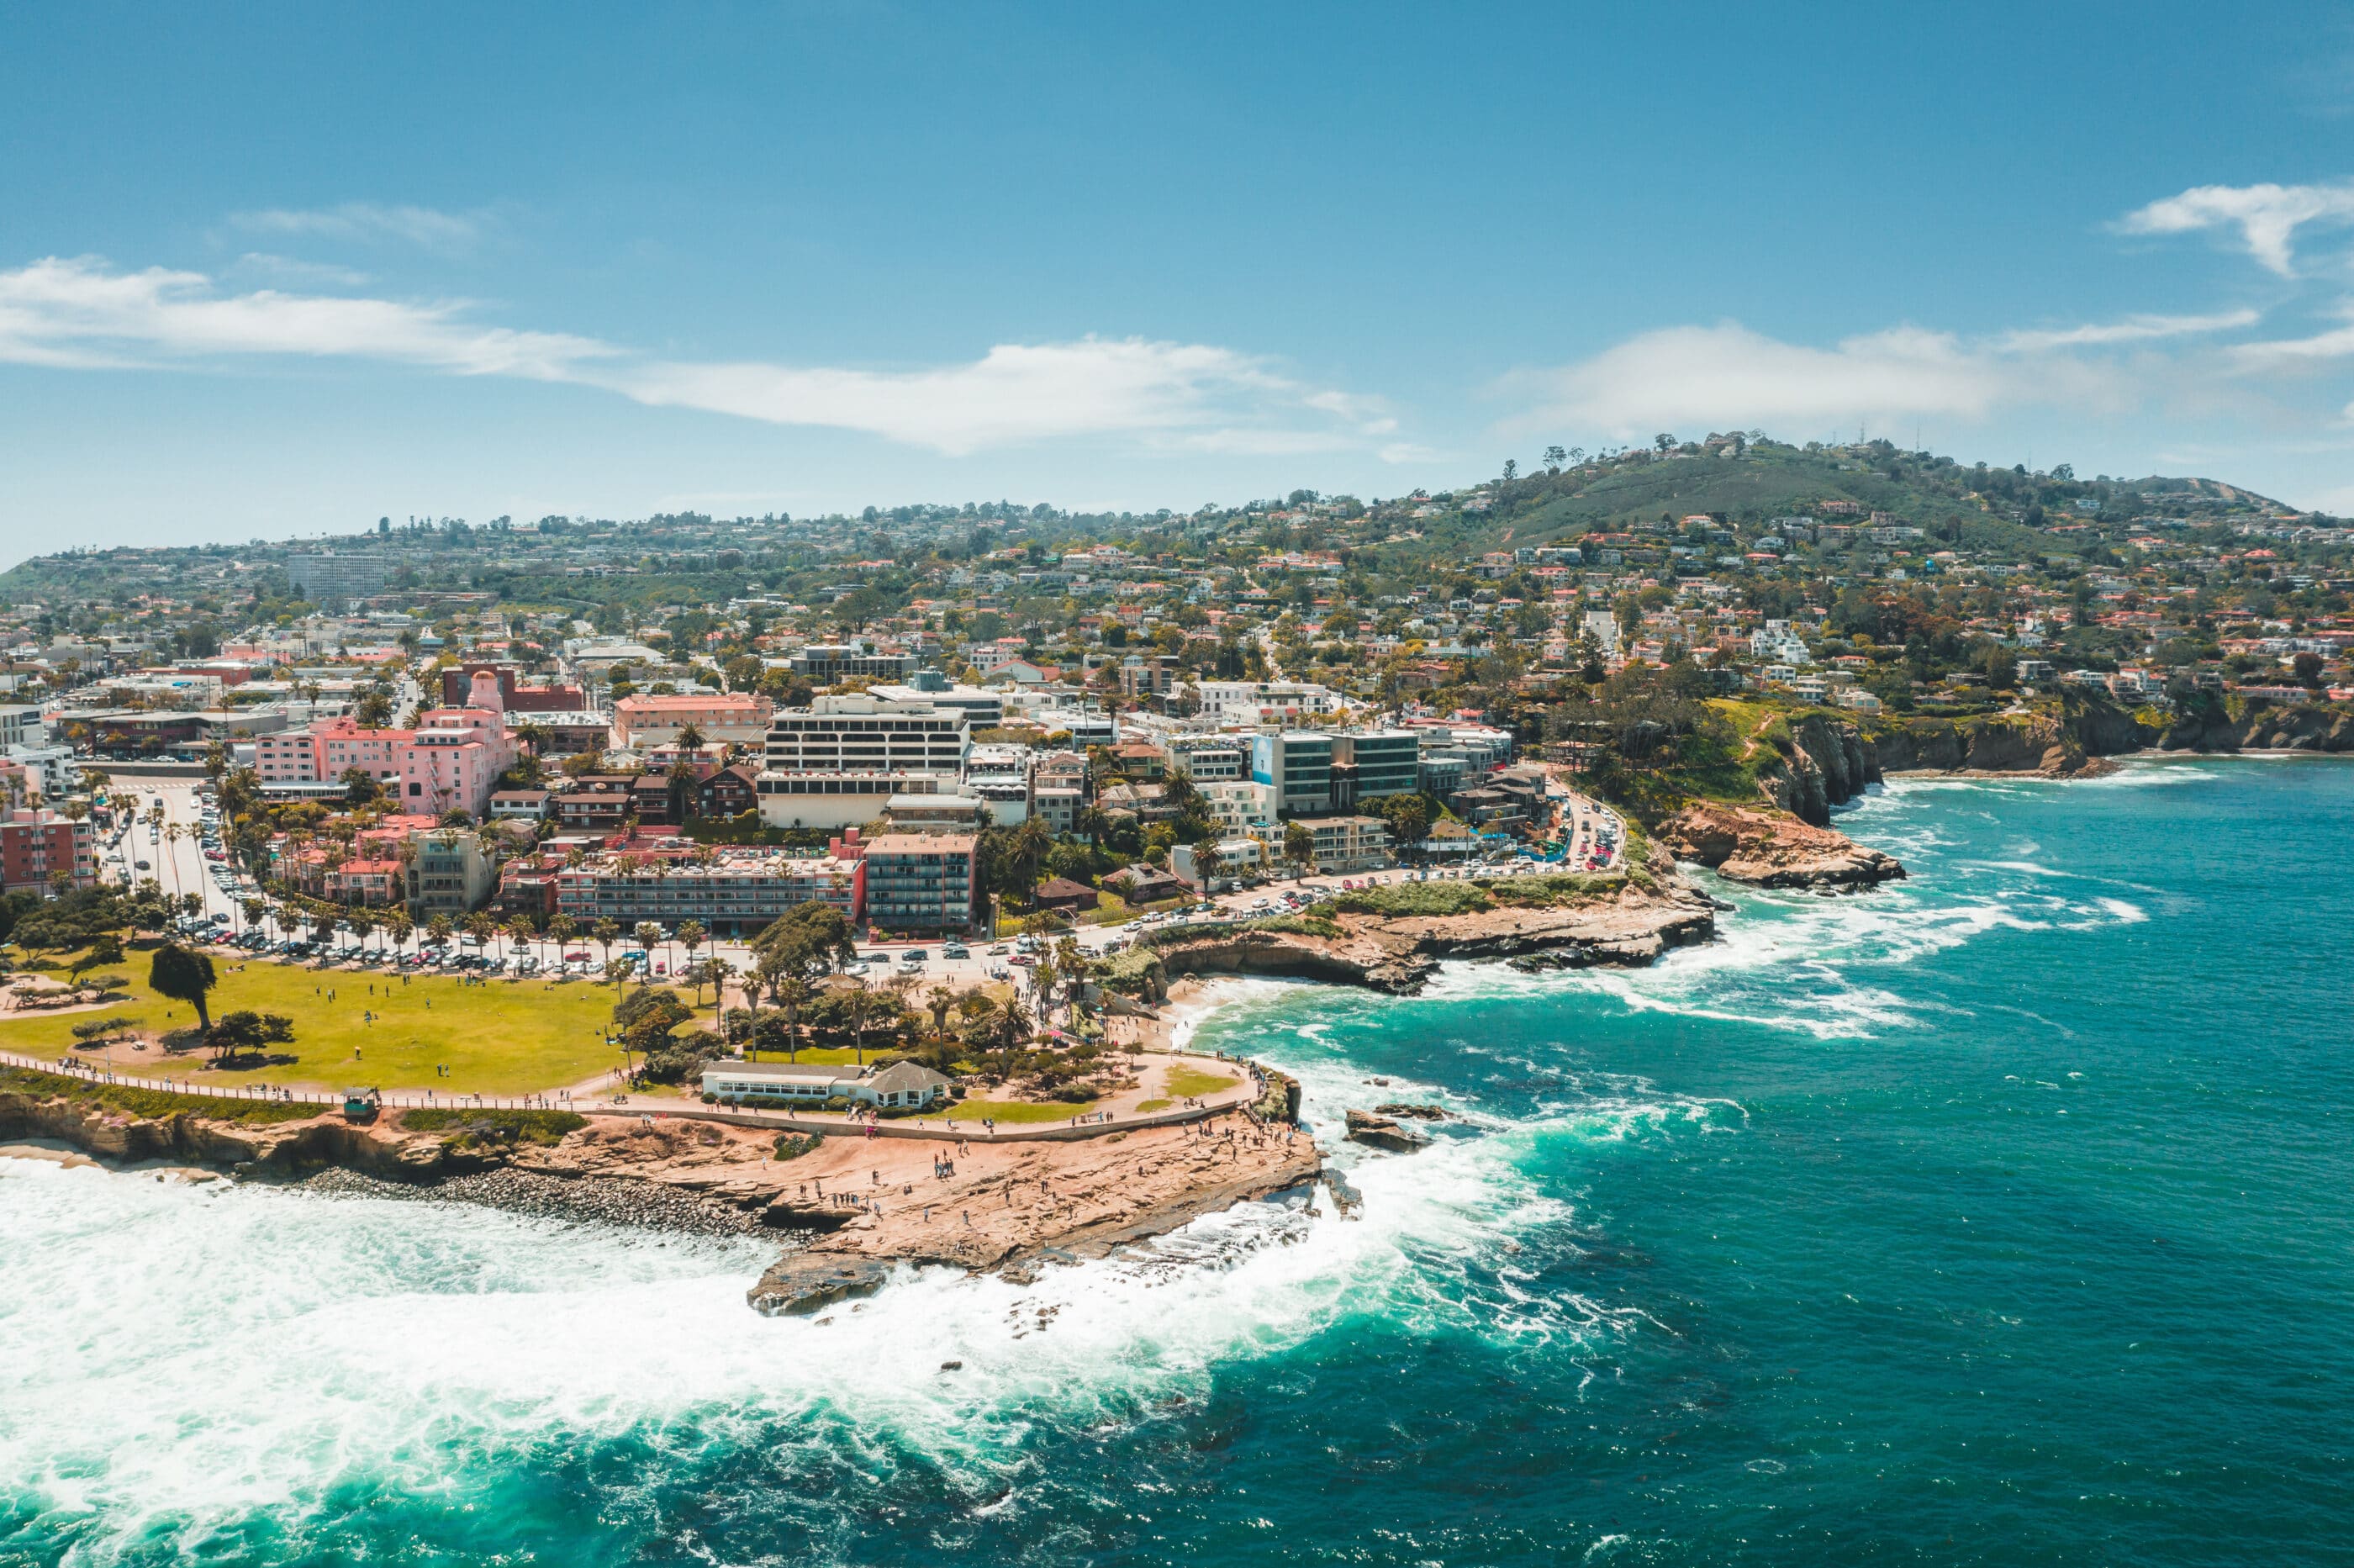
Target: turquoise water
1999	1216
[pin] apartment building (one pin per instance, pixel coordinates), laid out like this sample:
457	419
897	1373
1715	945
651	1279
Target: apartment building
641	722
923	883
1265	702
1206	758
739	893
1297	764
1344	844
37	844
865	733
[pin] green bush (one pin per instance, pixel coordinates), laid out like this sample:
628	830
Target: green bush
1399	898
543	1127
792	1145
156	1103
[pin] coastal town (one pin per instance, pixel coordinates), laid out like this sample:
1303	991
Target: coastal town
926	826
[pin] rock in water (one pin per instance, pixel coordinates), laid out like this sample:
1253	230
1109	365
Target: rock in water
1772	849
1407	1109
801	1284
1380	1132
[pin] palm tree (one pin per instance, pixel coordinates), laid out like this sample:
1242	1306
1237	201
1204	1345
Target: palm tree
1013	1025
936	1001
483	929
253	909
605	932
519	931
861	1002
717	969
439	928
690	936
649	935
401	927
789	992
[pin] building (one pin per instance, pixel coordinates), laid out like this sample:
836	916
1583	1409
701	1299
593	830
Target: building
592	808
354	574
824	663
941	811
36	845
572	734
1207	758
529	805
1057	806
451	872
450	762
514	698
1143	885
1062	893
1297	764
982	708
1349	844
640	722
21	725
1265	702
847	800
903	1086
737	892
1381	762
1239	858
1239	807
923	883
865	734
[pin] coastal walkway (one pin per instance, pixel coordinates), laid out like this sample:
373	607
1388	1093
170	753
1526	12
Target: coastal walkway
937	1129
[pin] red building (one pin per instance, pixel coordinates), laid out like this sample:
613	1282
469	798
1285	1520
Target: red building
458	686
34	844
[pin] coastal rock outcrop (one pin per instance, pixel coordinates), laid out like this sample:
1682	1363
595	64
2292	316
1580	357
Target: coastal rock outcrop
1771	848
1827	762
1629	922
1381	1132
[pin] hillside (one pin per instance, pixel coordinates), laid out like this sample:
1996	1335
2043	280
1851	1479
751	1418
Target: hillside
2003	512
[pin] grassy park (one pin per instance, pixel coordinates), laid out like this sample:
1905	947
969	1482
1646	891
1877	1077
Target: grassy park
501	1037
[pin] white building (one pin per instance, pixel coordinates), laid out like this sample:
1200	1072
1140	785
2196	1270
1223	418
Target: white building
1265	702
862	734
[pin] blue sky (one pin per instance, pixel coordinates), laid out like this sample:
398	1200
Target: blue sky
274	272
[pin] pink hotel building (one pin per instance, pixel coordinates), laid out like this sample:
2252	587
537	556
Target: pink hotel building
449	761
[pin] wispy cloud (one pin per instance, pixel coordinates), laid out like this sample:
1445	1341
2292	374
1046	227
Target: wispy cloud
1727	374
2267	216
1173	395
367	222
299	274
2133	329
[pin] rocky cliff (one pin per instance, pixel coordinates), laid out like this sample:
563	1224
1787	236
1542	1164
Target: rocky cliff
1828	761
1772	849
2262	727
1626	923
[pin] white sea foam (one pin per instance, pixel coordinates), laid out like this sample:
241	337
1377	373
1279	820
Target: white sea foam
229	1349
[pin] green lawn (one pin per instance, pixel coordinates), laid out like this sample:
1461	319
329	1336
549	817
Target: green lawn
1014	1111
1191	1083
499	1038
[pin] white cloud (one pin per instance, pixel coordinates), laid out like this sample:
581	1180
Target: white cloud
1727	374
300	274
2267	216
367	222
79	313
2290	354
1191	397
2133	329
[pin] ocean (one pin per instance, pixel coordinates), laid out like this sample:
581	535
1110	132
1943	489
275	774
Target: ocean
2001	1215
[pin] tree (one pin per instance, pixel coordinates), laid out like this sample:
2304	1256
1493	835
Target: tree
690	938
689	737
104	949
1208	860
1299	846
183	975
791	994
605	933
810	936
649	937
246	1030
859	1002
938	1002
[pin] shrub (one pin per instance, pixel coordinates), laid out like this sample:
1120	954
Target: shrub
792	1145
1414	898
543	1127
156	1103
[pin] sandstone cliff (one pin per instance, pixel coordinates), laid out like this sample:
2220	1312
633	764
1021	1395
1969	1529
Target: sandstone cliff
1828	761
1626	922
1772	849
